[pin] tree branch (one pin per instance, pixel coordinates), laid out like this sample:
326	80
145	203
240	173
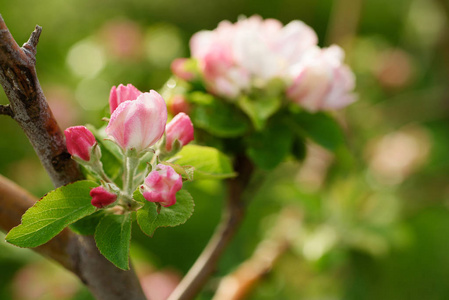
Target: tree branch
6	110
29	106
232	216
31	111
240	283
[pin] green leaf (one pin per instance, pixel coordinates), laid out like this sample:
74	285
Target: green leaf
320	127
269	147
187	172
149	220
52	214
217	116
87	225
260	109
113	236
209	163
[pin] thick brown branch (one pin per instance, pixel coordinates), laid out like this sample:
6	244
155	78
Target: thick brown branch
232	216
29	106
31	111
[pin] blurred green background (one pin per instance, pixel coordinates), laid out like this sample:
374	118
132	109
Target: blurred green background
373	220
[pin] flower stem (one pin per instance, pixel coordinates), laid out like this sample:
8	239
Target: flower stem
131	163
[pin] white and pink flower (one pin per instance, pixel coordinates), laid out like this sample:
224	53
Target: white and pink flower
121	94
161	185
138	124
253	51
321	81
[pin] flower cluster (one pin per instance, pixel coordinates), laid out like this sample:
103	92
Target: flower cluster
138	126
235	58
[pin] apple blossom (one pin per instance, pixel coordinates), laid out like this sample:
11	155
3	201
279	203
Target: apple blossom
161	185
139	124
80	142
250	52
322	81
178	67
179	128
121	94
178	104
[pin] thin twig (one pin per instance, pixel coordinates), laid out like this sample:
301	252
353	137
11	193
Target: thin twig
6	110
31	111
240	283
232	216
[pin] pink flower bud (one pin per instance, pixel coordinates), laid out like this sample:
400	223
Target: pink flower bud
180	128
161	185
80	142
121	94
138	124
178	67
178	104
102	197
322	81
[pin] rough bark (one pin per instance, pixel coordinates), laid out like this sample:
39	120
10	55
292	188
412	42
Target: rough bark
29	108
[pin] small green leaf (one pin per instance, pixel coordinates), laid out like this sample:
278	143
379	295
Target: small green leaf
52	214
269	147
149	220
320	127
260	109
113	236
217	116
187	172
209	163
87	225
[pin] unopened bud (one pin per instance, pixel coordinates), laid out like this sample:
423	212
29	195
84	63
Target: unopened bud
161	185
80	142
180	128
102	197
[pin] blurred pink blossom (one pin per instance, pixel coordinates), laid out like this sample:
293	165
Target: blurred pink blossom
234	57
178	104
178	67
322	81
